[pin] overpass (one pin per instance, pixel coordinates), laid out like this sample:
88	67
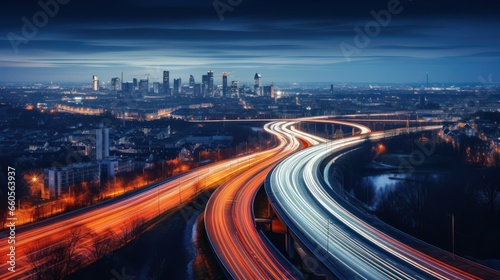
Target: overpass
342	238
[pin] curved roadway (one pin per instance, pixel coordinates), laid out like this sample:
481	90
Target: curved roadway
229	219
346	245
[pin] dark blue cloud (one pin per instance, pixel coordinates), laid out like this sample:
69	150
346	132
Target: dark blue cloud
442	47
296	39
78	46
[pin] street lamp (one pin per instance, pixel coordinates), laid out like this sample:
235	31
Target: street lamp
453	234
34	184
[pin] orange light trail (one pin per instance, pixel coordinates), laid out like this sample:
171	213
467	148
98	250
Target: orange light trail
229	218
143	204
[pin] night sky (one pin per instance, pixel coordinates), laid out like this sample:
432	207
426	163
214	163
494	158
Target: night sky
285	41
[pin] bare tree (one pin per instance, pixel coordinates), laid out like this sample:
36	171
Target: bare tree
405	204
414	195
47	261
102	244
56	260
131	230
488	194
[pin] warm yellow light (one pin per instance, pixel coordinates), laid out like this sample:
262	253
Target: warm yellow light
34	179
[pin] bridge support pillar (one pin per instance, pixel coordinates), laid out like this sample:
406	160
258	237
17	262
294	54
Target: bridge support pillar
289	244
270	215
269	210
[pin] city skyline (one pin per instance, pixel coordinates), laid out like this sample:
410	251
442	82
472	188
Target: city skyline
453	42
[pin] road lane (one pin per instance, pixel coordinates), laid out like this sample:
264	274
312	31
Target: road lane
348	246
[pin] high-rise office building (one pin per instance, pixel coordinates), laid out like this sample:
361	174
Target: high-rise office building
257	84
234	89
166	82
116	84
210	76
101	144
143	86
204	85
191	81
156	87
106	142
197	90
98	144
269	91
95	83
135	84
127	87
177	86
224	84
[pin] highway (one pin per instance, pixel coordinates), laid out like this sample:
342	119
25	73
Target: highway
229	218
116	214
393	121
346	119
113	215
347	246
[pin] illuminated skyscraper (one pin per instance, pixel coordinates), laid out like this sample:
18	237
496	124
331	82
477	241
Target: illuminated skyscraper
116	84
257	84
235	89
191	81
95	83
224	84
269	91
177	86
156	87
204	85
166	82
210	76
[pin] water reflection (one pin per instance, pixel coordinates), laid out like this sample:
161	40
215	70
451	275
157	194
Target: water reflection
379	185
